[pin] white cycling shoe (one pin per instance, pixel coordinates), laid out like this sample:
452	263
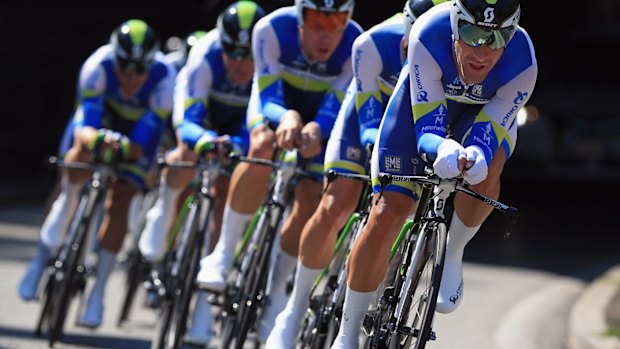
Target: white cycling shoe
201	330
29	285
152	241
211	276
285	331
93	314
451	289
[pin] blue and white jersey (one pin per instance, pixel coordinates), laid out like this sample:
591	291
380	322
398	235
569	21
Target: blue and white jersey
438	95
102	104
286	79
377	60
208	102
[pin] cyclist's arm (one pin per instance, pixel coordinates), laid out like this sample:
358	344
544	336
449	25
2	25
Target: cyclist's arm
331	102
195	81
92	83
268	81
495	125
147	130
367	66
428	101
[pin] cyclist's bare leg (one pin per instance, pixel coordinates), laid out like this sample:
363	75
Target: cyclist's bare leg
469	214
248	183
319	234
219	192
307	196
368	262
318	238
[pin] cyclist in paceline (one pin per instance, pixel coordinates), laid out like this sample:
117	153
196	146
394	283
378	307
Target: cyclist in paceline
303	67
213	90
470	69
378	56
125	96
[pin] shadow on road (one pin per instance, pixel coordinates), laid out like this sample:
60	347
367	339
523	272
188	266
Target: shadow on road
87	340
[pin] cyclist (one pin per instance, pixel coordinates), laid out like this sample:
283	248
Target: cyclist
303	67
470	69
213	93
125	96
378	57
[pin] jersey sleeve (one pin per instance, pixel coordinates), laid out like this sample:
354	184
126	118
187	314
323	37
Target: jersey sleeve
367	66
267	76
194	82
493	126
428	101
92	84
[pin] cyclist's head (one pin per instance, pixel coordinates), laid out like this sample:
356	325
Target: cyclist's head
485	22
481	29
190	40
322	24
135	45
235	25
414	9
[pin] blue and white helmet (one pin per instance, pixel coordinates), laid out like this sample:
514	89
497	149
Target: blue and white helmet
498	16
414	9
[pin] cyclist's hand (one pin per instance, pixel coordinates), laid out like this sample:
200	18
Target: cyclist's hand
310	140
224	147
112	146
479	168
446	164
288	132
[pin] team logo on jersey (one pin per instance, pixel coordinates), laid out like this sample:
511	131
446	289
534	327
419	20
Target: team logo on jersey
392	163
488	137
353	153
521	96
477	90
441	115
422	96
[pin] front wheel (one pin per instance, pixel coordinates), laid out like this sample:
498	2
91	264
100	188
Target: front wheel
419	297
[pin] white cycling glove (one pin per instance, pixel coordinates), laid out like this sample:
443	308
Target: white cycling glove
446	164
479	170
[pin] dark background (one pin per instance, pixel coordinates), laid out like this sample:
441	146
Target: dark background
43	45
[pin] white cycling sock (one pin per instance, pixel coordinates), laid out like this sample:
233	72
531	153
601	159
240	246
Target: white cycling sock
353	313
279	274
59	216
288	322
105	266
233	227
458	236
158	221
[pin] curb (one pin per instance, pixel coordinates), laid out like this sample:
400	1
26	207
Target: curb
588	319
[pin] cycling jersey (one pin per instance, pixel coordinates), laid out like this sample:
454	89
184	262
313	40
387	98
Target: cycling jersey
377	60
139	117
208	102
481	114
286	79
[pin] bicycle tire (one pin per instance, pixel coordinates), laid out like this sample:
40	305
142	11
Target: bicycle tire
46	309
137	269
66	274
236	305
161	325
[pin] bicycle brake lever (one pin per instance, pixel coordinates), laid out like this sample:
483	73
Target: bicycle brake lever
512	219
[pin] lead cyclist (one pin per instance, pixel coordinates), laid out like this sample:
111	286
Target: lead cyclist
470	68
